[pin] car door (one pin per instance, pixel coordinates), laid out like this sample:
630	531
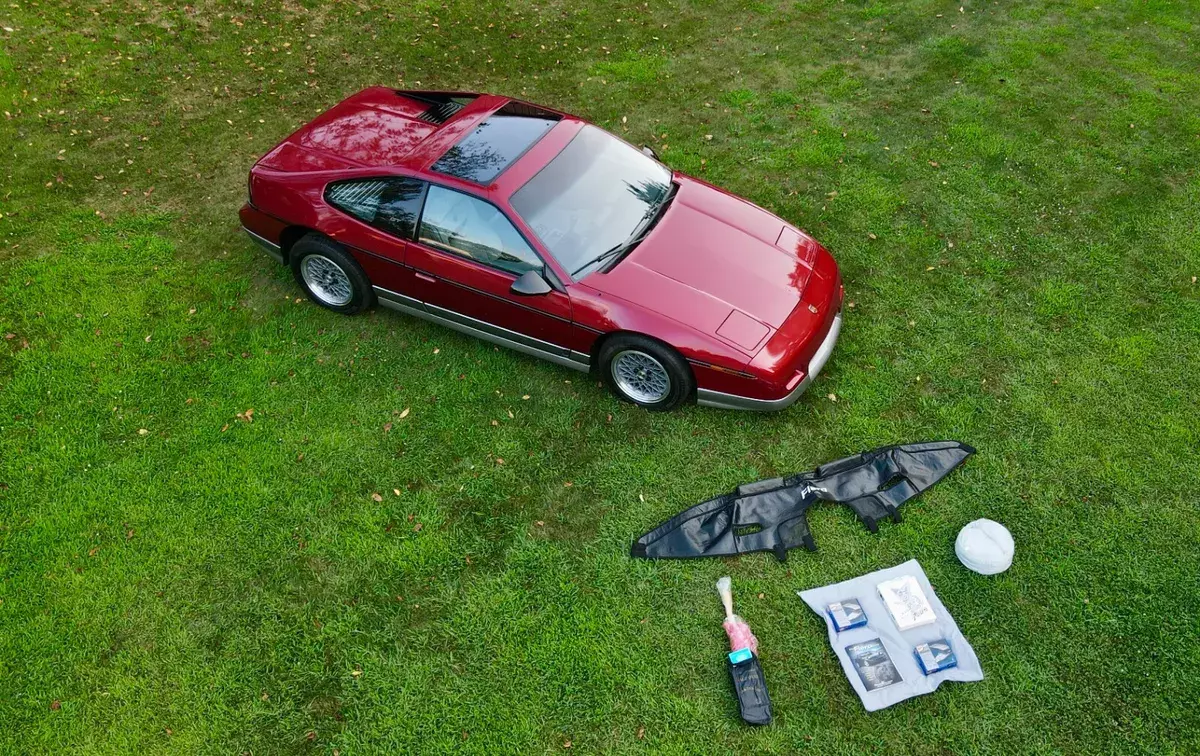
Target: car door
466	256
382	218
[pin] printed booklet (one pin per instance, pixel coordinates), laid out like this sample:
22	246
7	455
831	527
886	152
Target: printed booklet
874	665
906	602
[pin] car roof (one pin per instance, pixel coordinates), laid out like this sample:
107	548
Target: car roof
421	131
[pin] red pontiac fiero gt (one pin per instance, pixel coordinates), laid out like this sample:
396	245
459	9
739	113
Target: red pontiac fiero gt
536	230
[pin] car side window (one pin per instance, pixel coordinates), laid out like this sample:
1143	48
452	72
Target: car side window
469	227
389	204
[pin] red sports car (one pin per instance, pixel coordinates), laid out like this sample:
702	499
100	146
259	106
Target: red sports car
536	230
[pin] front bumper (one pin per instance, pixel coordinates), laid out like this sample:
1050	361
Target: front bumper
707	398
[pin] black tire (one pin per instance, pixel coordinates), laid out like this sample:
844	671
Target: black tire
310	258
631	349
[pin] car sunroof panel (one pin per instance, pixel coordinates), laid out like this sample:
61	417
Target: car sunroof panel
493	145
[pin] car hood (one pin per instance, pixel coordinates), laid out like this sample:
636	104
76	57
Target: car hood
718	264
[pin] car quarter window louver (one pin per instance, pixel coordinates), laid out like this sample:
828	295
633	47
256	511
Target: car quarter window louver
359	198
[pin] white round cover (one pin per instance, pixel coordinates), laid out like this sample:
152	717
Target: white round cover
985	546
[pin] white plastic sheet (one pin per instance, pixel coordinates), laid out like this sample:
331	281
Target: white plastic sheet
899	645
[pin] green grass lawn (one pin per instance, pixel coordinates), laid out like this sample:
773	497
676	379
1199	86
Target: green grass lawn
418	543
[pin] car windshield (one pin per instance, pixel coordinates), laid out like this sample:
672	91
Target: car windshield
593	197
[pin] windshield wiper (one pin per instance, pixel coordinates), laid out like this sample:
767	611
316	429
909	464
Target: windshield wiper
649	220
616	251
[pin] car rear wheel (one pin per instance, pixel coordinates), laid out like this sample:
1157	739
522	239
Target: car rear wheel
646	372
330	276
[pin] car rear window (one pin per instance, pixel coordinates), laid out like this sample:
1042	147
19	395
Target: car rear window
494	144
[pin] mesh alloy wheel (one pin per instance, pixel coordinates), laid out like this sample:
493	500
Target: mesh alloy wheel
330	275
640	376
645	371
326	280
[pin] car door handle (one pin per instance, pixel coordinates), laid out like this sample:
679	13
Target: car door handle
423	277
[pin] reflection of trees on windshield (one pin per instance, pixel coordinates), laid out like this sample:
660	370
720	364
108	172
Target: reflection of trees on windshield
651	193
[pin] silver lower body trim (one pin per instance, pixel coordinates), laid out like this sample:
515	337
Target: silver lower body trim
707	398
272	248
483	330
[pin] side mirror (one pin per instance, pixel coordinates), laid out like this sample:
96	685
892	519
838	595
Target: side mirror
530	284
648	151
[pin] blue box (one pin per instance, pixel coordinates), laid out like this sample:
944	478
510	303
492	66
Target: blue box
935	656
846	614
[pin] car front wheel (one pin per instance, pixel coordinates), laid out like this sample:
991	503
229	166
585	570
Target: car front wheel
646	372
330	276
